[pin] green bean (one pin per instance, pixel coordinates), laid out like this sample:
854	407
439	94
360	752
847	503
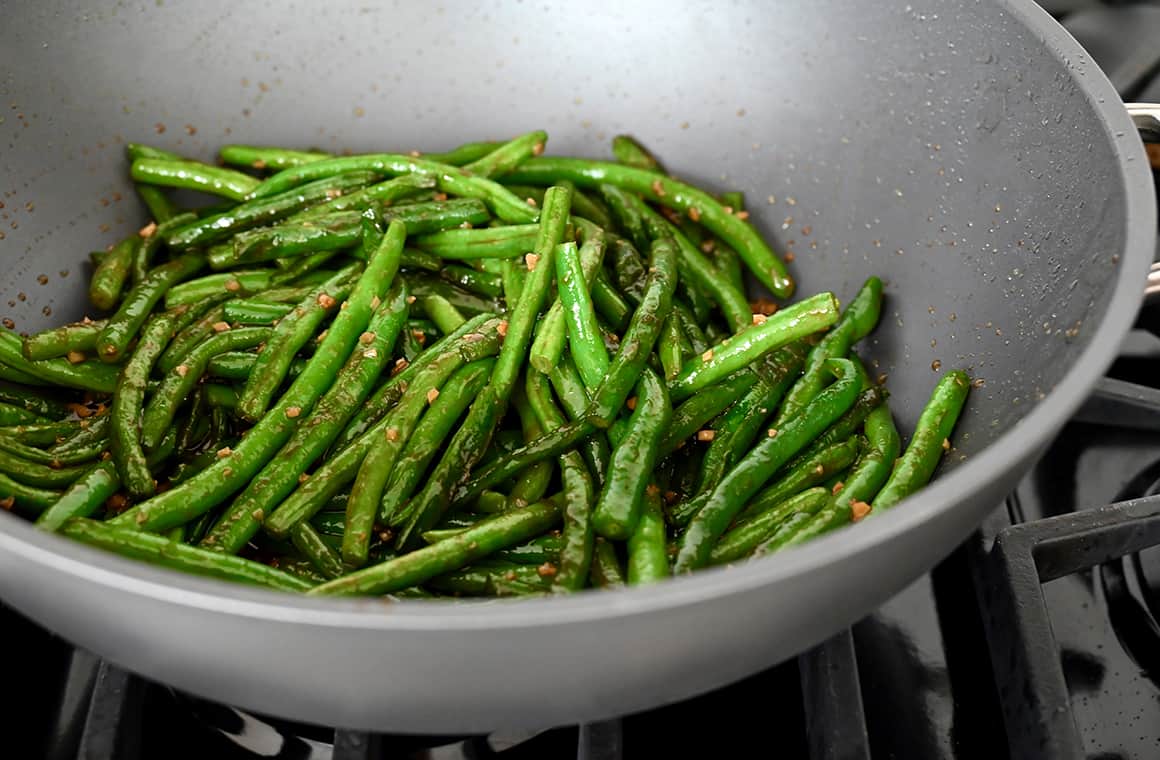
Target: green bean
476	338
239	283
16	376
644	328
855	323
442	312
533	196
846	425
38	474
423	285
139	150
25	499
413	258
282	474
507	529
128	401
338	470
311	545
509	155
475	433
463	154
744	539
483	283
546	548
700	273
516	580
449	179
179	384
83	498
223	478
629	152
487	242
669	347
251	312
34	431
608	301
792	323
628	268
719	506
648	560
264	211
584	341
40	403
59	341
393	468
437	216
263	157
513	274
734	433
606	571
532	483
94	430
159	204
630	220
293	332
577	497
122	327
193	175
111	273
569	386
699	205
161	551
33	454
208	320
91	376
379	195
149	240
14	415
930	439
324	233
866	477
633	459
223	396
811	471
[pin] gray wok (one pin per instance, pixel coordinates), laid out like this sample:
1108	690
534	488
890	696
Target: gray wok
968	152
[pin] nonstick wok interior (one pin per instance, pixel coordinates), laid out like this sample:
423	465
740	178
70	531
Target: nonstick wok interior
941	145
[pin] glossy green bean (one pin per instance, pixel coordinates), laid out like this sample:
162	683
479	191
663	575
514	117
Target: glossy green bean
248	312
293	332
226	476
449	179
122	327
473	436
265	157
642	333
178	384
811	471
193	175
44	404
628	151
208	321
89	376
139	150
931	437
744	539
719	506
35	431
648	560
25	499
380	195
606	571
855	323
532	483
291	239
442	312
112	273
508	156
488	242
699	205
569	387
792	323
236	284
312	546
482	283
60	341
149	241
14	415
161	551
516	580
264	211
584	340
692	415
507	529
621	499
83	498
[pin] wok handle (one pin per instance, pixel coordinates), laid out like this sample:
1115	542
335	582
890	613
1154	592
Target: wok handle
1146	117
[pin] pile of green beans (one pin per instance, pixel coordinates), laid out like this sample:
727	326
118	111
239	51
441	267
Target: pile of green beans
482	372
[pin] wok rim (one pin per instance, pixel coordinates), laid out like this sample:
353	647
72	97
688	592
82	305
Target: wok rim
96	567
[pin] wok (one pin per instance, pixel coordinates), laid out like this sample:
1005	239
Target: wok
967	152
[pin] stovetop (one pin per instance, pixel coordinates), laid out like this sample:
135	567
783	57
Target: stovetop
1037	638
